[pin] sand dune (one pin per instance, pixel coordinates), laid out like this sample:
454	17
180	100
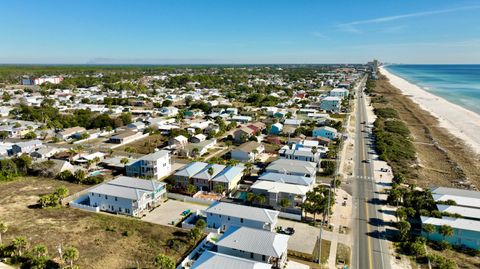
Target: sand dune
459	121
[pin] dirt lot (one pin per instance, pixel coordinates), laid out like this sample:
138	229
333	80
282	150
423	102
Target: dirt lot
144	146
443	159
99	238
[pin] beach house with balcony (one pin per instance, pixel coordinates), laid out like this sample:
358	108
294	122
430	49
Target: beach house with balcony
155	165
127	195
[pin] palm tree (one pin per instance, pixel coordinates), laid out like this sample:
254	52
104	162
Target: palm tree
70	255
164	262
20	243
284	203
40	250
3	229
249	167
400	213
446	231
403	229
124	161
428	229
261	198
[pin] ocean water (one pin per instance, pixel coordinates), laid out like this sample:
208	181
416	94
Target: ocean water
458	84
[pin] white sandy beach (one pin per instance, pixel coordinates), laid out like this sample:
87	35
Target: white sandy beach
461	122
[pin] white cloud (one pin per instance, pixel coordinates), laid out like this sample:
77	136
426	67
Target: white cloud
351	26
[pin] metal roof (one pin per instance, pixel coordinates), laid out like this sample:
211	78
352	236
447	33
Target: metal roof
255	240
461	224
214	260
246	212
155	156
191	169
284	178
136	183
276	187
466	212
203	174
228	174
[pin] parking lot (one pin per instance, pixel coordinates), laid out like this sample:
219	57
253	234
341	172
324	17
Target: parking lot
171	211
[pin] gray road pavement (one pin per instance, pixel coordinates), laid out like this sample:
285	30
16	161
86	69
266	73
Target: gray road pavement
370	249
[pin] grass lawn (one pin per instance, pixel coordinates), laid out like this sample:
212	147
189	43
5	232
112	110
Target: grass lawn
343	254
100	238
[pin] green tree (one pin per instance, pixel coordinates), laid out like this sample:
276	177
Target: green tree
40	250
191	189
218	188
284	203
446	231
201	224
164	262
428	229
403	230
194	233
401	213
30	135
70	255
124	161
20	244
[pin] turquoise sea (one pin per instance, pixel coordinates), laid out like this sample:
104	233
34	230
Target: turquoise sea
459	84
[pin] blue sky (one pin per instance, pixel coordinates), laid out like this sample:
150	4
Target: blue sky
231	31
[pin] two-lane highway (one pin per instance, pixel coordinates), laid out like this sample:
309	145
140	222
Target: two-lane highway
370	249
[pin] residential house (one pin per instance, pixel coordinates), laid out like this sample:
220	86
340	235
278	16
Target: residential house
69	132
197	149
276	128
247	151
225	215
255	244
325	132
127	195
184	176
178	141
466	220
26	147
242	134
293	167
169	111
288	179
203	179
228	178
241	119
155	165
277	193
198	138
136	126
293	122
331	104
215	260
339	92
44	152
125	137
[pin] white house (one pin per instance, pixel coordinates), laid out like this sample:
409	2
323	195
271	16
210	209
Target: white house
225	215
247	151
276	192
293	167
215	260
255	244
26	147
155	165
127	195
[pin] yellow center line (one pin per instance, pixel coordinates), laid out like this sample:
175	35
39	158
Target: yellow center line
366	202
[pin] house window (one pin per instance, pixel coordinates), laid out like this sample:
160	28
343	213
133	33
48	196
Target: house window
241	220
263	257
106	197
228	218
251	255
116	199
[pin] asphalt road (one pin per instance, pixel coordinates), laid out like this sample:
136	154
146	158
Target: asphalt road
369	249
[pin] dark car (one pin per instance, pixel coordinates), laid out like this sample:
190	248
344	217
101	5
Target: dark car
289	231
366	161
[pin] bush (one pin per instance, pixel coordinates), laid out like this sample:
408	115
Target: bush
328	167
386	113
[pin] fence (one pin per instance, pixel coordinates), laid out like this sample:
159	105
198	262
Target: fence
286	215
80	203
189	199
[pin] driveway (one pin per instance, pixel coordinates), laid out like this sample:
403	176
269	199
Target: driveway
170	211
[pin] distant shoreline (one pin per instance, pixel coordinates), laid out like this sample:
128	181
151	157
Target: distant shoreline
459	121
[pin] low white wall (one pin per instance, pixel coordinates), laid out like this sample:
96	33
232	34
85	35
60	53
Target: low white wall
290	216
85	207
185	198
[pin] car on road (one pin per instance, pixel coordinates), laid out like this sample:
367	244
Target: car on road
366	161
363	122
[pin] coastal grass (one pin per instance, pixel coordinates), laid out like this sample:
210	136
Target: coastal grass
440	158
103	240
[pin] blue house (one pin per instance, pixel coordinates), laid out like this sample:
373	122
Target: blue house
276	128
466	232
325	132
331	103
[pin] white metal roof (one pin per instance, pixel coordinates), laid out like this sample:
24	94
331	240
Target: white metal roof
215	260
255	240
284	178
277	187
246	212
466	212
462	224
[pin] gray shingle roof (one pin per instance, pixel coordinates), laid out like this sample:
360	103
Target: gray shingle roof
203	174
255	240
